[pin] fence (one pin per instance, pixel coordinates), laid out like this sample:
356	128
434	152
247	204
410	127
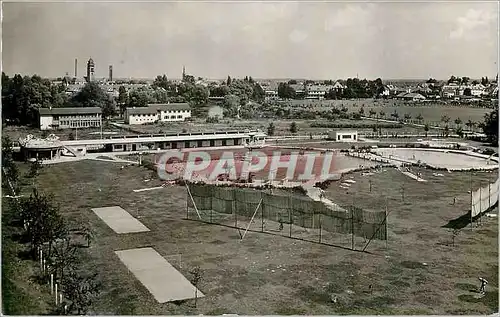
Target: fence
286	215
484	198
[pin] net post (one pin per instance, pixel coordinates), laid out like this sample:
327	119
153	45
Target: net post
319	227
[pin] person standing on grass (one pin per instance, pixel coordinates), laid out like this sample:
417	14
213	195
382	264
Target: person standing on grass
482	289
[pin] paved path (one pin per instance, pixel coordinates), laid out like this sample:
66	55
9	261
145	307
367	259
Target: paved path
161	279
119	220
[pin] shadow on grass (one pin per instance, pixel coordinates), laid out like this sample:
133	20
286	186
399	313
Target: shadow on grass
490	299
459	223
467	287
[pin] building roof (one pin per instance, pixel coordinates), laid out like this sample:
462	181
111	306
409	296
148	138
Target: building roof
166	138
154	108
68	111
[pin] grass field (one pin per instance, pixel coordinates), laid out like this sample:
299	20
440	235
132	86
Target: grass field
266	274
430	112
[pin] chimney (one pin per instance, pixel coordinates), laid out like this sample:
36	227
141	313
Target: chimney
110	72
76	67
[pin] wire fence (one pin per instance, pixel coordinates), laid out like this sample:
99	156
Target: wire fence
289	215
484	198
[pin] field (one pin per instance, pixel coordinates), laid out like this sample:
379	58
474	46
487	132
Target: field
430	112
265	274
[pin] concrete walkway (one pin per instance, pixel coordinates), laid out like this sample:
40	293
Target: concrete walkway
161	279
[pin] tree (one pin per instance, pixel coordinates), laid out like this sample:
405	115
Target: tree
140	98
258	93
362	111
470	124
228	81
458	122
270	129
80	291
467	92
109	108
197	95
42	220
407	116
230	106
122	99
446	131
8	165
161	81
196	278
88	235
426	129
293	127
382	114
92	95
34	170
419	117
64	256
490	126
395	115
285	91
459	131
372	112
445	119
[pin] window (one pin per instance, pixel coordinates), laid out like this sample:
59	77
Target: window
179	117
346	136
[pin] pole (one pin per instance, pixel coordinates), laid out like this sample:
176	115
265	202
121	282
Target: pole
56	293
187	204
233	205
320	228
480	201
289	215
51	283
471	202
262	216
352	228
386	232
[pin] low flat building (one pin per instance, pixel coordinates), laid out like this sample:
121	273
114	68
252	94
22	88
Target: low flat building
343	136
67	118
158	113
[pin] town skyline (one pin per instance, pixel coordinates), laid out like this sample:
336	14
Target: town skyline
263	40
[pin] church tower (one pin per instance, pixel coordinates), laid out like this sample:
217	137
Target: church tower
90	70
183	73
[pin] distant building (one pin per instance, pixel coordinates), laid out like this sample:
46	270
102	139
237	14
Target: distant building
66	118
90	70
410	96
344	136
110	72
158	113
317	91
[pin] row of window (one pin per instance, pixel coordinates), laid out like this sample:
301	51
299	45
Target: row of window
164	118
80	124
154	114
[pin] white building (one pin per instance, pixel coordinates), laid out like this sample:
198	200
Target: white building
344	136
158	113
317	91
66	118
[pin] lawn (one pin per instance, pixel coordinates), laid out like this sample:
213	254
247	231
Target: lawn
431	112
265	274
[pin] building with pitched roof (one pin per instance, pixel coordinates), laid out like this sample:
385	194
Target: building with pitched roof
158	113
67	118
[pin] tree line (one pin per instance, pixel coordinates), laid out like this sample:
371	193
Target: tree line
353	88
44	233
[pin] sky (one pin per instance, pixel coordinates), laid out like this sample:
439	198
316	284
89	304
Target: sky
317	40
